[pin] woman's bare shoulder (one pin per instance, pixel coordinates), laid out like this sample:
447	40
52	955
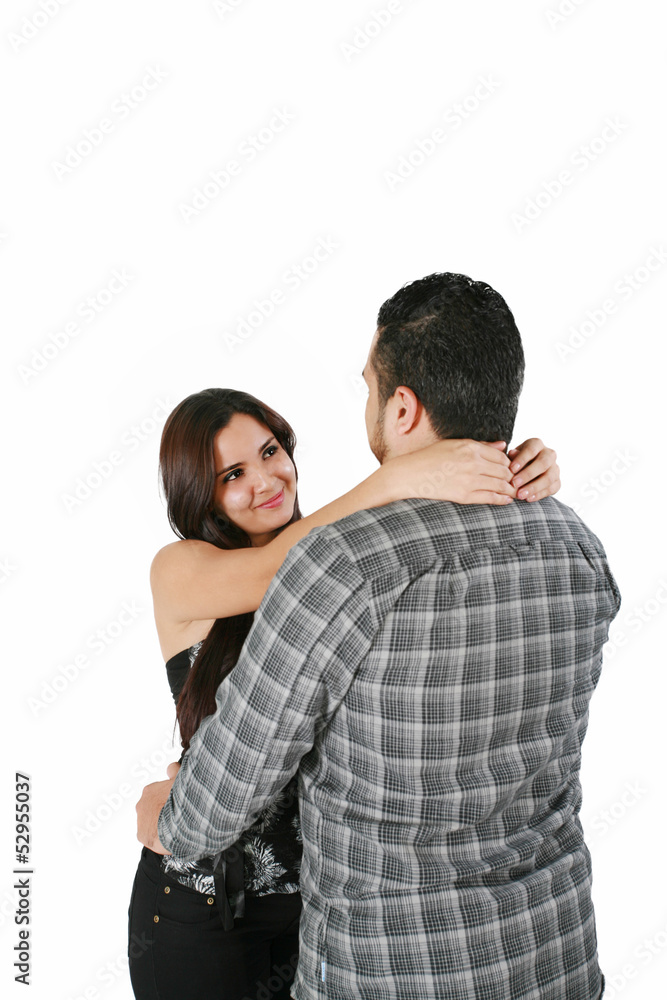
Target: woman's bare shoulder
171	559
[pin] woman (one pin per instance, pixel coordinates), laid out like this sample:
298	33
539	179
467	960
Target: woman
227	926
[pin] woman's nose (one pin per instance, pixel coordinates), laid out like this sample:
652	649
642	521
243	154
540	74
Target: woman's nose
259	480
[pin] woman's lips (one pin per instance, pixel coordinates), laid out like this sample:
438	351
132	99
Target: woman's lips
274	502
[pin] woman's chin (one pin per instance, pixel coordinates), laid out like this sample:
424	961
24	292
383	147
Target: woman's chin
273	518
283	517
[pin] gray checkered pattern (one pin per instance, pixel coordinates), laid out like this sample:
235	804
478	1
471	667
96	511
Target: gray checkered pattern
427	668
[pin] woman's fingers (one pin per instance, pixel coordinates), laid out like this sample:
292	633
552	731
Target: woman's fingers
525	453
534	483
486	496
534	467
493	453
490	480
539	474
545	485
544	464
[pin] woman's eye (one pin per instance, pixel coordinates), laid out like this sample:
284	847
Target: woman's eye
228	478
232	476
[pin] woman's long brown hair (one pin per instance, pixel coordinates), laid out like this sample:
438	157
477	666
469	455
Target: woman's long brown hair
187	468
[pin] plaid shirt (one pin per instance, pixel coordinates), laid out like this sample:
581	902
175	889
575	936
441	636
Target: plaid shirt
427	669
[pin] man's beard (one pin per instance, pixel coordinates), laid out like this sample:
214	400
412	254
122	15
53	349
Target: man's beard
377	441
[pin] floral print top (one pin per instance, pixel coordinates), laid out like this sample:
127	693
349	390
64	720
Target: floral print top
271	847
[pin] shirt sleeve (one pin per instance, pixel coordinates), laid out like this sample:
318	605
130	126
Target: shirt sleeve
310	633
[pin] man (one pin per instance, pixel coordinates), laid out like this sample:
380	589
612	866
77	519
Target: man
427	668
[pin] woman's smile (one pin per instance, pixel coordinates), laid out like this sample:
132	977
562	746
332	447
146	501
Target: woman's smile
275	501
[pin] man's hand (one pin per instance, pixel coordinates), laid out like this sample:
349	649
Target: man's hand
539	475
149	807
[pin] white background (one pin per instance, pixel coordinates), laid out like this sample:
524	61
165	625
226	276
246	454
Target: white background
73	212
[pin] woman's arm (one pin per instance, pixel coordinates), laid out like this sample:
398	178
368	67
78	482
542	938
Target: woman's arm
196	581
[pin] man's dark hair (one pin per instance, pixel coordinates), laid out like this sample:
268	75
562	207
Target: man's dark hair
454	342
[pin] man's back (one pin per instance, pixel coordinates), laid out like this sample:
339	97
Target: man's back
443	851
427	669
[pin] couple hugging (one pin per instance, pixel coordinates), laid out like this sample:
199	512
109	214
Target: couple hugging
379	792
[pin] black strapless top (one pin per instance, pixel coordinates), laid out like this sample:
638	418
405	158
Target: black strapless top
270	849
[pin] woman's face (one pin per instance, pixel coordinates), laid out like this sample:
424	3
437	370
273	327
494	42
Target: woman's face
251	469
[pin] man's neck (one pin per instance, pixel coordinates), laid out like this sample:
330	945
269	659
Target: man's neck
406	446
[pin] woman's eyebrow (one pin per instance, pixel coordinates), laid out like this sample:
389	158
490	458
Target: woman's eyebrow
236	464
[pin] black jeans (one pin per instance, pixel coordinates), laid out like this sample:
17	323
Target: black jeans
178	949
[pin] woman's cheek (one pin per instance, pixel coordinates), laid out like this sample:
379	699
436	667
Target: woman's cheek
288	472
233	502
238	505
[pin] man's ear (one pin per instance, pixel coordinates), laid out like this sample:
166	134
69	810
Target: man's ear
408	409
